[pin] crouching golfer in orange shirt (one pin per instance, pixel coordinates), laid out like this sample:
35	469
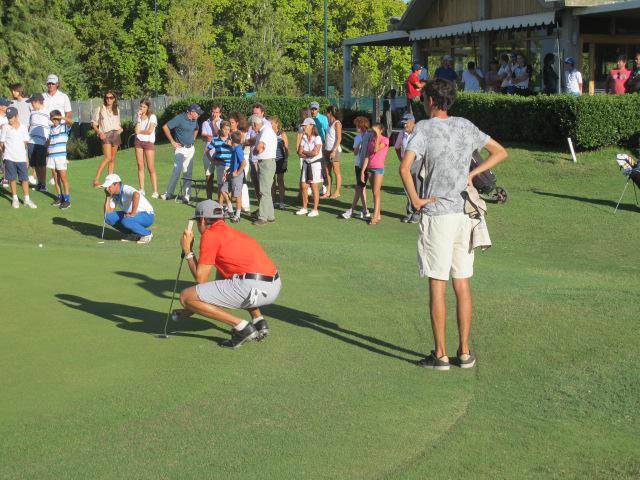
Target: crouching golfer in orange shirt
247	278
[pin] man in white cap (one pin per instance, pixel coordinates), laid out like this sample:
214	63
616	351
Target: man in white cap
54	99
247	278
408	122
127	210
322	125
263	155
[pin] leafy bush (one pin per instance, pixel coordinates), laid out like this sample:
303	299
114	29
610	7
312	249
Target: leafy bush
590	121
286	108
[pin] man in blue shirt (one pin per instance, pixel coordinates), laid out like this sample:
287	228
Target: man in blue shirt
185	128
446	71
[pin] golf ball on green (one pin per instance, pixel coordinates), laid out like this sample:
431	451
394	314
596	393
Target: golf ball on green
39	245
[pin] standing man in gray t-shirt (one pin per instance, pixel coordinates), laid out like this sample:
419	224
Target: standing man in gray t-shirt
446	145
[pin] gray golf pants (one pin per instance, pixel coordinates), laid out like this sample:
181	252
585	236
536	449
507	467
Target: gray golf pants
266	170
182	163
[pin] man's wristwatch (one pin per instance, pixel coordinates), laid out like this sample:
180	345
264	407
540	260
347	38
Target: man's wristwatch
190	255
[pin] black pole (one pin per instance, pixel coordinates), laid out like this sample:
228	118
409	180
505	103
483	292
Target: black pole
309	47
155	35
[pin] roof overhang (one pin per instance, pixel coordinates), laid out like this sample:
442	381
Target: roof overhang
610	8
505	23
393	38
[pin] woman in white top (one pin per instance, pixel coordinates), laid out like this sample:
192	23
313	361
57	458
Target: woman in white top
504	74
520	76
106	123
145	129
310	151
332	150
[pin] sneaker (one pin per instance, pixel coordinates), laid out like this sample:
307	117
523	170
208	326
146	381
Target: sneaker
365	214
130	238
64	205
260	221
434	362
415	218
186	199
407	218
56	202
324	190
29	203
235	219
41	188
155	195
302	211
32	180
313	213
239	337
15	203
282	206
466	360
141	192
146	239
165	196
347	215
52	181
262	328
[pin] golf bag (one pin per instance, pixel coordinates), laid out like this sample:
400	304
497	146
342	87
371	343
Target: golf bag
485	183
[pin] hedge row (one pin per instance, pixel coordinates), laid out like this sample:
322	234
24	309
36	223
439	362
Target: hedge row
590	121
286	108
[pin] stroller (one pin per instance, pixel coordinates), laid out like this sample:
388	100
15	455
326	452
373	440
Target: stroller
485	183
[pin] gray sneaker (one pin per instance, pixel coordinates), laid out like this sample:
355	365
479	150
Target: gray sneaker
466	360
434	362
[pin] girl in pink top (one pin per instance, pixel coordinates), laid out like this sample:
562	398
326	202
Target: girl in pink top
373	166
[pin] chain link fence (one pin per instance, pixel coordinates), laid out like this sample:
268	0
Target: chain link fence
83	110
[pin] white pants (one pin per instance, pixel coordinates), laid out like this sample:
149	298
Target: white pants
182	163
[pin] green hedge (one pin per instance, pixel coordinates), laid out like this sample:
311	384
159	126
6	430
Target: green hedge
590	121
286	108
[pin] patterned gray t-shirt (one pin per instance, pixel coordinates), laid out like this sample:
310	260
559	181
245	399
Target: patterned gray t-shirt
447	145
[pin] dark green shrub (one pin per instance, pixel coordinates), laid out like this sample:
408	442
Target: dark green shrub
590	121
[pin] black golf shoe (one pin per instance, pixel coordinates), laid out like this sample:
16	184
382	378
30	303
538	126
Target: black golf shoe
262	328
239	337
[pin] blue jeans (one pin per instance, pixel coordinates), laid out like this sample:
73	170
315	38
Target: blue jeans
136	224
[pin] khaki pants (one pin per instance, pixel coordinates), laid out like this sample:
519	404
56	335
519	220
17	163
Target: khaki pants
266	169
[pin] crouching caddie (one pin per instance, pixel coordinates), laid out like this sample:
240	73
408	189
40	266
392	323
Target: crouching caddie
246	277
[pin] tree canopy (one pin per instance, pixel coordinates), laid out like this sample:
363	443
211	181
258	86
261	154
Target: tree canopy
218	47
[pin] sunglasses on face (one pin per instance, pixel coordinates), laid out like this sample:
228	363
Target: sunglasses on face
110	97
314	109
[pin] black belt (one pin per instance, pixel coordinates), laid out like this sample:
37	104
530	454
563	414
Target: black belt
187	146
262	278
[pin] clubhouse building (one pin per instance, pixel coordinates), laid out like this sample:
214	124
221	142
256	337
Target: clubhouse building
594	32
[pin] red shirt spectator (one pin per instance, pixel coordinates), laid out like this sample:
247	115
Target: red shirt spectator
618	79
414	84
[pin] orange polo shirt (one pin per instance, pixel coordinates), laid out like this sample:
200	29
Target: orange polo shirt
233	252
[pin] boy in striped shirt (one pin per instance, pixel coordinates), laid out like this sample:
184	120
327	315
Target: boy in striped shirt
219	150
57	158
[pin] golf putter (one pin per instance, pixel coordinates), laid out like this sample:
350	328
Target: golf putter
165	335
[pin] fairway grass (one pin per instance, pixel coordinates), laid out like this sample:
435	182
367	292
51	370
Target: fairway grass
87	390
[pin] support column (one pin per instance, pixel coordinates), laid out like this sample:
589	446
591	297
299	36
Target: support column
569	41
346	76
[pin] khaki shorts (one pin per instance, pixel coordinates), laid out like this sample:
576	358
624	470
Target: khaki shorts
444	246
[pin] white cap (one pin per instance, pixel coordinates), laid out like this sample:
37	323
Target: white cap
110	180
309	121
53	79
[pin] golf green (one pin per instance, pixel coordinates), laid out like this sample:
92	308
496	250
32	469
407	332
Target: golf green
89	391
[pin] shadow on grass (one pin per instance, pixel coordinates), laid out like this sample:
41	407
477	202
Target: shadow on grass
333	330
87	229
138	319
595	201
160	288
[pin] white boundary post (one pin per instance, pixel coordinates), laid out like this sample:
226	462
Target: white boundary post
573	152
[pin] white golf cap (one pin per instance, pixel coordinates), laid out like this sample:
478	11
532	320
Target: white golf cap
308	121
110	180
53	79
